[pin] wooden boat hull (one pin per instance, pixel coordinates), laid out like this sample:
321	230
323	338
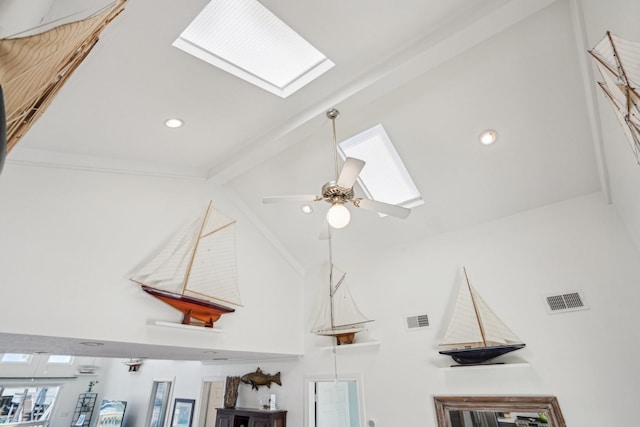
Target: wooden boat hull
470	356
343	336
204	312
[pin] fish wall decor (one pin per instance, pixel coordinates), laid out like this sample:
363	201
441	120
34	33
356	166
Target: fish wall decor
258	379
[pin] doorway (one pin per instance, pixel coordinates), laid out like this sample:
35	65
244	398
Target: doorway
212	398
333	403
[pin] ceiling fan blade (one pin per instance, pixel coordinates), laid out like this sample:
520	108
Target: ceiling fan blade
291	199
383	208
350	171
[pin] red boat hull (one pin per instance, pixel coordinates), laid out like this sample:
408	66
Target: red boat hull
205	313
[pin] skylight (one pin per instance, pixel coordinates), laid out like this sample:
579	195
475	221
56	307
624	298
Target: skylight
16	357
60	359
245	39
384	177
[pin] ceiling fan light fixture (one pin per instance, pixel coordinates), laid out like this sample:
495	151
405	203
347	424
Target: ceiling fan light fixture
338	215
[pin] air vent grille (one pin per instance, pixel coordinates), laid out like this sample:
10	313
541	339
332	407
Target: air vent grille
417	321
570	301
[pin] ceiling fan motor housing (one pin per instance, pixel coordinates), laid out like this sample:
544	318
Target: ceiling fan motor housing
332	193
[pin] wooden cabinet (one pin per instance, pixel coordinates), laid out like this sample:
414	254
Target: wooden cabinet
246	417
224	420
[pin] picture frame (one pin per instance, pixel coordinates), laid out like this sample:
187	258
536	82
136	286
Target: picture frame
182	412
111	413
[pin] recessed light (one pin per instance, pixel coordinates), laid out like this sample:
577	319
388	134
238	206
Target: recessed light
307	209
173	123
488	137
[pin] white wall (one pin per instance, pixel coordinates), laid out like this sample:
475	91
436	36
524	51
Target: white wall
79	237
579	357
583	358
70	239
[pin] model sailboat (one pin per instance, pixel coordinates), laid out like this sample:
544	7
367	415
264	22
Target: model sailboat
618	63
196	272
339	315
475	334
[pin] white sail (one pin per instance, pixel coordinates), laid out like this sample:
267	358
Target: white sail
199	262
464	328
474	324
339	313
168	268
495	331
618	61
214	272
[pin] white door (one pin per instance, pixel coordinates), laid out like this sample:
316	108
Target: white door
212	398
332	404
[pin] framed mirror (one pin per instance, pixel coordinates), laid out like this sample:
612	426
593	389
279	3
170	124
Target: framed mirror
498	411
331	402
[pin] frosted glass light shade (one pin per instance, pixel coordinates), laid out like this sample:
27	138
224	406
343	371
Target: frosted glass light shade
338	216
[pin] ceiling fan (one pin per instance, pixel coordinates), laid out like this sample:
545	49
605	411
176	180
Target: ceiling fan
339	193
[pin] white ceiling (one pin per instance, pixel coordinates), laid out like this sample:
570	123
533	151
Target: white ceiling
435	73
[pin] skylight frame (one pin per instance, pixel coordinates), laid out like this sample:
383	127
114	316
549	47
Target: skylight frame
227	29
384	168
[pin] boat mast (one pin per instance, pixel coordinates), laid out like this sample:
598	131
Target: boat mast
195	249
475	307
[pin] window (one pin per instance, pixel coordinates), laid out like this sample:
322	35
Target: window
384	177
244	38
160	394
26	404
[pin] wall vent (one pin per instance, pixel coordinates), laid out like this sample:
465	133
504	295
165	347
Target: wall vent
418	321
569	301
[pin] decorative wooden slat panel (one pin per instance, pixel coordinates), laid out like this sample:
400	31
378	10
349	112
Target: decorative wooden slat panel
34	68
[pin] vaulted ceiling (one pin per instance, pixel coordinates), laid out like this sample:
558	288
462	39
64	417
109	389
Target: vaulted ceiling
434	73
